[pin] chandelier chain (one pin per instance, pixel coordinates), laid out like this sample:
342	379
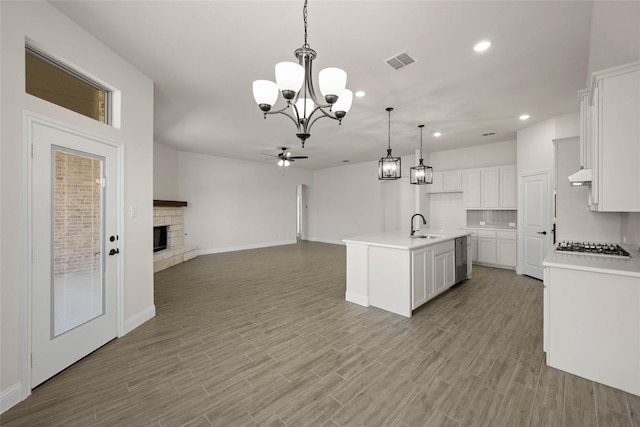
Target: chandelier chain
304	16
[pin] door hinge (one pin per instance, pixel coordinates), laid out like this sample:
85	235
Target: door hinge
104	182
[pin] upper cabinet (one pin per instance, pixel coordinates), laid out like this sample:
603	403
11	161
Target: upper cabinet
490	188
615	138
586	151
446	182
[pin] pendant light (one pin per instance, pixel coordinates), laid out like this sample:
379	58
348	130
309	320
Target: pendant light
389	167
421	174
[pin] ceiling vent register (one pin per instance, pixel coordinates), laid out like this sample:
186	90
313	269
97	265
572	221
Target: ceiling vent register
400	60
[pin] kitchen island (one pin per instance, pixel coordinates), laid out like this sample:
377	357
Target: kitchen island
398	273
592	316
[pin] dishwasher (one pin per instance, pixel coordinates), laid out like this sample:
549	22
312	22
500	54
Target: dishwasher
461	259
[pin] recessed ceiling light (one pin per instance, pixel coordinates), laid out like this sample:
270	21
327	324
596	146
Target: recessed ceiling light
482	46
360	93
524	116
437	134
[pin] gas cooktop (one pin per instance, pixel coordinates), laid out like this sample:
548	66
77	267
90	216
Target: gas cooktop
598	249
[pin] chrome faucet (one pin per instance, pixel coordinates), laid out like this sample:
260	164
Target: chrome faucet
424	221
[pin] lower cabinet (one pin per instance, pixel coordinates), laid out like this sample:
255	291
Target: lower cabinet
422	276
492	247
433	270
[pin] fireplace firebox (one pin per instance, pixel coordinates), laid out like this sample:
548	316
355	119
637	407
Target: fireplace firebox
160	238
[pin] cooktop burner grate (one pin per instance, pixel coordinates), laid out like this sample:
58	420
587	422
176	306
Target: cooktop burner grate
599	249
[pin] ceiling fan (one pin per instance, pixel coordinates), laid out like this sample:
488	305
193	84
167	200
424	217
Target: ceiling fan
285	157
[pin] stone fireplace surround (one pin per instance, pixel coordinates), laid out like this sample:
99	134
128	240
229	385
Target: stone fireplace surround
169	213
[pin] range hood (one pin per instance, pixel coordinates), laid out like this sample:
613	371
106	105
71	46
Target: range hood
582	177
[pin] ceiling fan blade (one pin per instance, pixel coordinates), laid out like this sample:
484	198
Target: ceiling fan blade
269	155
298	157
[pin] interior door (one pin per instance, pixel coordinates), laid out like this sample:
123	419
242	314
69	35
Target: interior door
536	222
74	224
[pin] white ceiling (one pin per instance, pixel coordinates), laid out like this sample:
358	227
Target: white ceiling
204	55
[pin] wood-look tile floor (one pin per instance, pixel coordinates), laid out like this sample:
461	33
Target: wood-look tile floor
265	337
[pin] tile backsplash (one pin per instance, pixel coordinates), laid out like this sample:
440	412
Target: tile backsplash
492	218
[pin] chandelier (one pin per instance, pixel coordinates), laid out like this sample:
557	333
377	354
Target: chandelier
421	174
389	167
295	83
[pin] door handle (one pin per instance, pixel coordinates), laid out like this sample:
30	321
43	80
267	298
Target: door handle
114	251
542	232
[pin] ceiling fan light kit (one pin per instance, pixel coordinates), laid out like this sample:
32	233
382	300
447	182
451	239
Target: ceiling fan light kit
421	174
389	167
295	82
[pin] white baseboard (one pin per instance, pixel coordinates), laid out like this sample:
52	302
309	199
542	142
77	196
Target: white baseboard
244	247
357	299
138	319
10	397
333	242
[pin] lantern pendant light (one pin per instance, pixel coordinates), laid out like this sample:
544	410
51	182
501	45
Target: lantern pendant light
294	81
421	174
389	167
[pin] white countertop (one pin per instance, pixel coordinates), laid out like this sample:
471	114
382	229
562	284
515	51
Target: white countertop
401	239
599	264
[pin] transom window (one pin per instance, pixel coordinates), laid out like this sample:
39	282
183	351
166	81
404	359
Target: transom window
55	82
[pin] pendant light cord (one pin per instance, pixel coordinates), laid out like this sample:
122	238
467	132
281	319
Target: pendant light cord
304	17
389	109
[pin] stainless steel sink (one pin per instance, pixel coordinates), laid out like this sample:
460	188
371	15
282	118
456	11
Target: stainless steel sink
427	236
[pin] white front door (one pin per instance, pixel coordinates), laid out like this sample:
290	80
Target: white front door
536	222
75	247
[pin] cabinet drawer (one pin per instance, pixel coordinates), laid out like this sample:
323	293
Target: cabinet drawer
509	235
441	248
487	234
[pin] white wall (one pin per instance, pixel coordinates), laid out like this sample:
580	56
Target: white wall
574	219
615	34
165	172
496	154
57	35
236	204
630	227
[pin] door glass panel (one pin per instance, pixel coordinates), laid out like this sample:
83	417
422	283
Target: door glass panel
78	289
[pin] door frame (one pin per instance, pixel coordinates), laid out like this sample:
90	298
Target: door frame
28	121
521	201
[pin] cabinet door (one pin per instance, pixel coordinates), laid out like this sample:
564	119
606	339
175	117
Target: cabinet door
473	254
506	252
508	187
440	267
489	193
469	257
450	266
619	172
451	181
471	188
486	250
436	186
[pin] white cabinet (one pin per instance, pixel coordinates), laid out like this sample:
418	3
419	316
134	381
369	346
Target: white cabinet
486	247
506	248
586	147
444	264
615	100
489	194
446	182
494	247
508	187
422	276
490	188
471	189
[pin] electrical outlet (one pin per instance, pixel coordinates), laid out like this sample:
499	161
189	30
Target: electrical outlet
134	211
483	222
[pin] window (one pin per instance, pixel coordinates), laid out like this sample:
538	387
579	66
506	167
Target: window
52	81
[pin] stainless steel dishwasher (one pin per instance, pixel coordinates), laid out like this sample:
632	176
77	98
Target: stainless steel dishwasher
461	259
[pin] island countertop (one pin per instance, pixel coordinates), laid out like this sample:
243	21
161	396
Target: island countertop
402	240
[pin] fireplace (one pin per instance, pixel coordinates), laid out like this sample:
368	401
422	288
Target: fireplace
160	238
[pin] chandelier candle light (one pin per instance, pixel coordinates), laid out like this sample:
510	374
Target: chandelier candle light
295	83
389	167
421	174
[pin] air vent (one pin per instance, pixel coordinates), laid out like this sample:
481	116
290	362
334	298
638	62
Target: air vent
400	60
488	134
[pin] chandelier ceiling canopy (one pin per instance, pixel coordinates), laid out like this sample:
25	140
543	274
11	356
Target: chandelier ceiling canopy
295	82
